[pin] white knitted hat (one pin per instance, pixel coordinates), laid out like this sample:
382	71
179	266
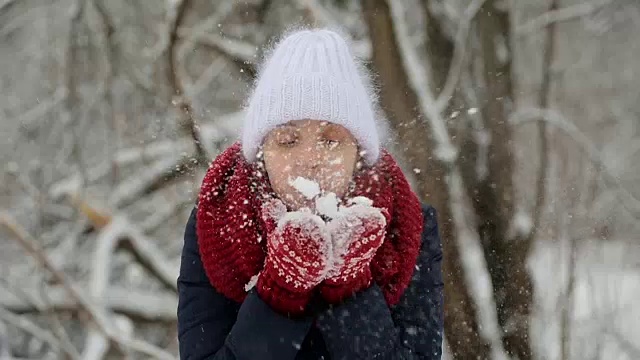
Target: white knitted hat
311	74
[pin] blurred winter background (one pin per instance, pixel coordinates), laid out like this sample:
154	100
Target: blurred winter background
518	120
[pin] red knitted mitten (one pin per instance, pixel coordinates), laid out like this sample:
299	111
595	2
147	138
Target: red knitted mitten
298	247
356	233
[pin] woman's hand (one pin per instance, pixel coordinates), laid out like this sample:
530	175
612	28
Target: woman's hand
298	251
357	233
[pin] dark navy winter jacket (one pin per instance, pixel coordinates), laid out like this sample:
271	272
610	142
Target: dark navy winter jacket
211	326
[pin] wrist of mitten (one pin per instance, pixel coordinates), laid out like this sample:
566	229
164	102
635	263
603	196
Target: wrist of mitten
283	297
343	286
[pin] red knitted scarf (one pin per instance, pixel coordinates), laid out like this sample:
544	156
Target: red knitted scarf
231	239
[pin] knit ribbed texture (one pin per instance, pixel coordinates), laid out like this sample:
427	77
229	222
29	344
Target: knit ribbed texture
335	293
311	74
228	225
390	266
280	298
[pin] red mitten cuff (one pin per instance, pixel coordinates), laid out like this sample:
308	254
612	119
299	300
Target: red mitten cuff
280	298
339	289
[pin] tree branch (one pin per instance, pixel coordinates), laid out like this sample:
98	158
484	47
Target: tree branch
6	4
444	149
240	52
627	346
543	103
99	318
118	231
317	14
27	119
26	325
186	121
459	55
560	15
555	119
213	70
402	98
147	254
243	54
263	9
494	197
108	49
139	305
149	179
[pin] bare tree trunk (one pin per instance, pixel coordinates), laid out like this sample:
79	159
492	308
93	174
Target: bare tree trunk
187	121
400	104
543	103
493	196
439	49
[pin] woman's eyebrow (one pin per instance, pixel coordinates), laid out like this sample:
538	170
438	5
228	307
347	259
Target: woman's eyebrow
333	130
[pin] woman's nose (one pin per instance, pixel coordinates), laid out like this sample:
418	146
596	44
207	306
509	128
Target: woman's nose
312	162
309	159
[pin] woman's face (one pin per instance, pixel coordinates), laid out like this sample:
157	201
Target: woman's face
315	150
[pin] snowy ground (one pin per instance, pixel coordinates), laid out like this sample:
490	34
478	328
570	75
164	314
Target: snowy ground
606	302
605	321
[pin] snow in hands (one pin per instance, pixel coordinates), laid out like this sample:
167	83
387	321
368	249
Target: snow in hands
299	250
351	226
326	203
356	236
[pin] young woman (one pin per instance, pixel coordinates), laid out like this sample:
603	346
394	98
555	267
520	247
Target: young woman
307	241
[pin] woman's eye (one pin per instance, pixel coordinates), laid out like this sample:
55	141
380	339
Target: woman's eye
287	139
331	144
287	142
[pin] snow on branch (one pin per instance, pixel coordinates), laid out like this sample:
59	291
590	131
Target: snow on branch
459	55
30	245
476	273
175	166
445	151
27	119
211	72
625	344
124	157
147	253
236	49
30	327
99	318
553	118
6	3
224	128
560	15
321	16
117	231
136	185
152	151
144	305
